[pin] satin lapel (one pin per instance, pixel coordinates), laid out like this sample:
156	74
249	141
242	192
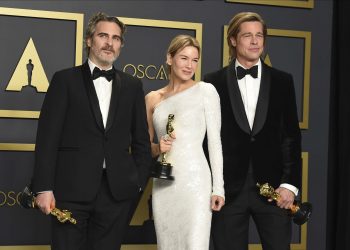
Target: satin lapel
113	106
91	92
236	99
263	100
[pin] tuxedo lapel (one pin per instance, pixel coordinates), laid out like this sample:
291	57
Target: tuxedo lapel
263	99
91	92
236	99
113	107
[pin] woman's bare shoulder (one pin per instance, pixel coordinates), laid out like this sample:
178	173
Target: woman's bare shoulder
155	97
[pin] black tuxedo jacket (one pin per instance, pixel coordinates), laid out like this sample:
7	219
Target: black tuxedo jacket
273	147
72	142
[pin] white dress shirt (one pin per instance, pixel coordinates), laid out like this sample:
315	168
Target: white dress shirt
103	89
249	88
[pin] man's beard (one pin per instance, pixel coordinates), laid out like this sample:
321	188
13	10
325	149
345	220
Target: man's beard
107	59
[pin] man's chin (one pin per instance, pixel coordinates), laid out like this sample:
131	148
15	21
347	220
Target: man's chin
107	61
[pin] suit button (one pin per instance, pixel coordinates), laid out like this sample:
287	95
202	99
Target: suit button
252	139
106	138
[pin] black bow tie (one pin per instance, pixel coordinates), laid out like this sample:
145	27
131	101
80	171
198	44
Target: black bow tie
241	72
108	74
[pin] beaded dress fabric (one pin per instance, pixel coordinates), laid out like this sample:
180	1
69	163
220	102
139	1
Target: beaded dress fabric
181	208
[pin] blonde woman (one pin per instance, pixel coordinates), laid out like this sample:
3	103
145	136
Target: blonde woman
183	208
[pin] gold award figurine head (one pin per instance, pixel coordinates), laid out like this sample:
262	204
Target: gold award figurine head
268	191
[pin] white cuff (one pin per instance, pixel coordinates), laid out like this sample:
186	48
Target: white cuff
290	188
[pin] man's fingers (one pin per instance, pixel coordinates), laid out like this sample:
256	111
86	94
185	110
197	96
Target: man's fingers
45	201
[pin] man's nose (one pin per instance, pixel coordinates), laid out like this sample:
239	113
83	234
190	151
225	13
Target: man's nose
109	41
254	40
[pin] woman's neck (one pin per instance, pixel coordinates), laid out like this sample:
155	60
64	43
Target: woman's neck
175	86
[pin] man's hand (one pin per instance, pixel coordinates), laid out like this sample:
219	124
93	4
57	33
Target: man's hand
286	198
45	201
217	202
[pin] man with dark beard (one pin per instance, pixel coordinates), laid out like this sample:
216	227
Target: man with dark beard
92	147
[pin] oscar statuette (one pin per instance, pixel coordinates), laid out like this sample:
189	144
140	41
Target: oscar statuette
163	169
27	200
300	212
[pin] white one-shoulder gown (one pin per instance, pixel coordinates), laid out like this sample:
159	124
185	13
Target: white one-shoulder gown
181	208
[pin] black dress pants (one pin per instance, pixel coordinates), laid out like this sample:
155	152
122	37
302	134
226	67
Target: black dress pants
101	223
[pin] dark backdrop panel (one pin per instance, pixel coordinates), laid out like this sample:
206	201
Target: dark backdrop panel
14	35
19	226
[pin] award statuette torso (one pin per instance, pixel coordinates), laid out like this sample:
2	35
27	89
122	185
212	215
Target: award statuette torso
163	169
300	212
